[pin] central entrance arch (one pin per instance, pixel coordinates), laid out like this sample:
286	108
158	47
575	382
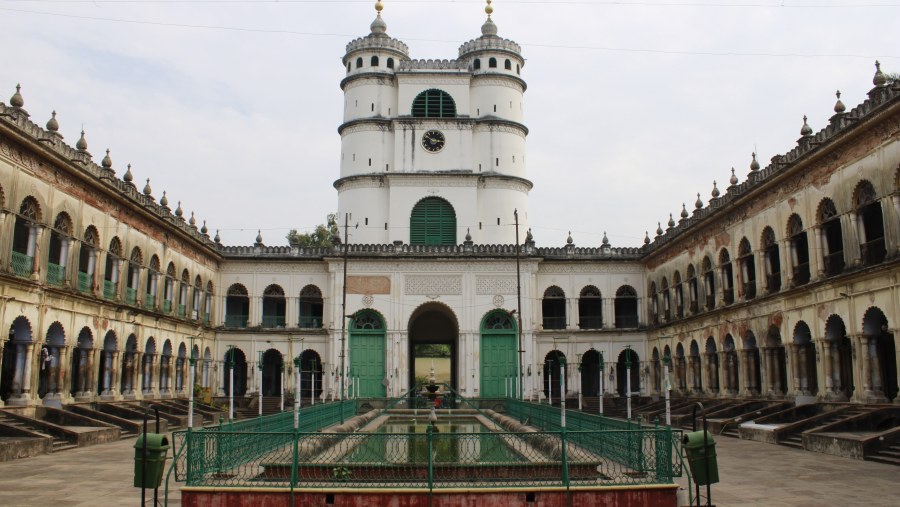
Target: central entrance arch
433	339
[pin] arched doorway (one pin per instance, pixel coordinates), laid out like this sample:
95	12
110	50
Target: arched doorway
882	353
13	381
838	359
81	364
751	357
590	373
498	353
804	360
310	375
367	353
712	366
50	361
680	368
731	368
271	373
235	358
552	373
776	363
107	359
628	360
433	339
129	365
147	367
694	367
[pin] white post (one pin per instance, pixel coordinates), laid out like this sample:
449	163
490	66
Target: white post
312	389
191	396
231	391
297	400
259	386
668	388
579	388
282	388
562	396
628	383
601	390
356	388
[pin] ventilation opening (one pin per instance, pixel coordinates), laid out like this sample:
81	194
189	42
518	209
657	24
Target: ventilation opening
370	162
373	105
387	167
385	226
329	499
478	112
367	220
498	220
529	497
495	108
496	161
479	226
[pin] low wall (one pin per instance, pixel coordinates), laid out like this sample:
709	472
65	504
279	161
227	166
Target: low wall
615	496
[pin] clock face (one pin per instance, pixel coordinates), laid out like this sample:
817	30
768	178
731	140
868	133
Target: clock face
433	141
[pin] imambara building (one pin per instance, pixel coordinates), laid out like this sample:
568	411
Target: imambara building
785	284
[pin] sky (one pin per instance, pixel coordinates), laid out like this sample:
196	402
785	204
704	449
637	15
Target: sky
633	107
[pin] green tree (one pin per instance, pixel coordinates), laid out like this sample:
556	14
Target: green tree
320	236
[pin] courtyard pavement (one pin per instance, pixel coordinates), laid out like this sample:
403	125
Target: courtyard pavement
752	474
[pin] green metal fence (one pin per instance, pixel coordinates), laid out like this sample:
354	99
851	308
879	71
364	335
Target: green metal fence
56	274
266	452
23	265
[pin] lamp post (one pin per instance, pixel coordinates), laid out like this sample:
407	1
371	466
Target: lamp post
297	394
666	361
601	384
193	363
628	379
312	386
259	368
548	379
281	372
231	382
562	387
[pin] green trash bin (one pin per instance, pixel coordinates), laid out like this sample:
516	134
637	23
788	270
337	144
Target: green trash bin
157	445
698	457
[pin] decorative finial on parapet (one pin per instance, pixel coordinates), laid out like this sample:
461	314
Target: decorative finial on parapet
81	144
646	237
16	100
878	80
659	230
671	221
754	164
488	28
715	190
684	213
148	191
805	130
734	179
106	163
378	26
839	106
128	177
53	124
698	203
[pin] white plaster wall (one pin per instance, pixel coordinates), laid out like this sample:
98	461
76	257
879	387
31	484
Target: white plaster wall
372	203
498	151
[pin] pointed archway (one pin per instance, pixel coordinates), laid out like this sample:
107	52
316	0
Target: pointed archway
498	353
271	373
433	342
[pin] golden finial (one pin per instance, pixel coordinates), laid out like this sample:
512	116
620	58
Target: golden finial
379	6
488	9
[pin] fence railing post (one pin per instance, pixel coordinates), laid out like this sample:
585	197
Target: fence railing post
220	448
429	431
565	457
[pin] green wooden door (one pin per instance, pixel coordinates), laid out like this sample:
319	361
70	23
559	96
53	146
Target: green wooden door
498	354
367	349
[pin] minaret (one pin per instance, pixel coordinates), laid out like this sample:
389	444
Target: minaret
433	148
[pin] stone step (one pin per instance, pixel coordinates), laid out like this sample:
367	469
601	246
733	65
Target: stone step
879	458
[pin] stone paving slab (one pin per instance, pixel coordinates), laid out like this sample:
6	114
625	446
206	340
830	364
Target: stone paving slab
752	474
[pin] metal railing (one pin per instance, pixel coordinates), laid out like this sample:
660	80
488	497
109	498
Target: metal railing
273	321
182	310
130	296
310	322
109	289
23	265
149	301
84	282
266	452
56	274
167	306
236	320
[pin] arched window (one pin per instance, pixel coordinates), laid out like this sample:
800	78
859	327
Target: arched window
590	308
87	259
507	65
870	224
694	302
359	63
169	288
432	222
197	298
183	293
518	70
348	66
679	295
434	103
311	306
492	63
111	276
476	64
654	304
237	306
273	306
133	276
25	237
709	283
727	276
799	250
626	307
665	300
207	305
374	61
832	237
60	241
390	63
772	260
748	269
152	283
553	308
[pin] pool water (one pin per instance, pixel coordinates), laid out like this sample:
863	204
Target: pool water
463	440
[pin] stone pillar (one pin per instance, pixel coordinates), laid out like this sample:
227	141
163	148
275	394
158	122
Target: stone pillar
61	370
866	367
803	359
745	370
6	232
854	250
893	224
819	257
830	385
733	359
796	374
114	373
724	375
877	386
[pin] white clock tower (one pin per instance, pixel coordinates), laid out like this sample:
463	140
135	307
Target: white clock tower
433	150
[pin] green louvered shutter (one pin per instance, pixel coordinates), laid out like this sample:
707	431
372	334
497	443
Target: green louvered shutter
432	222
434	103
